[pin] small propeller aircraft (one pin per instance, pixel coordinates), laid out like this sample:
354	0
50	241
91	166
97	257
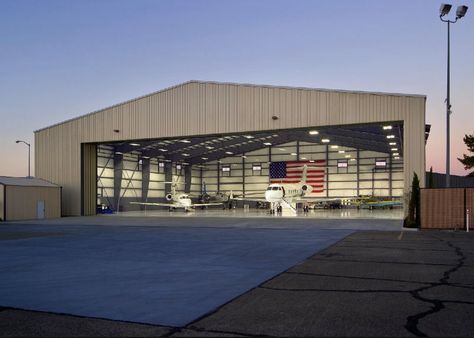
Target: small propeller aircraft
178	200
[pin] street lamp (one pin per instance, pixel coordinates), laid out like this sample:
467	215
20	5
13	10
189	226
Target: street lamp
20	141
460	12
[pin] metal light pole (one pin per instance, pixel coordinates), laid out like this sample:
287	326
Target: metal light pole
20	141
460	12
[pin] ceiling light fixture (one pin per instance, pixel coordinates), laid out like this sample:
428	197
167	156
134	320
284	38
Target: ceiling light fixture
313	132
387	127
267	144
325	140
390	136
341	151
135	144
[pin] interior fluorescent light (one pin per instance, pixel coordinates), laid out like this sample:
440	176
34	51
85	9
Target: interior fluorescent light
119	152
334	146
304	158
229	152
293	154
347	156
146	157
209	147
387	127
135	144
185	154
162	149
267	144
313	132
390	136
341	151
185	141
393	143
325	140
204	158
394	149
282	149
248	136
396	154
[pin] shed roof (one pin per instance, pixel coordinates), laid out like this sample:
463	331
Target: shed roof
26	181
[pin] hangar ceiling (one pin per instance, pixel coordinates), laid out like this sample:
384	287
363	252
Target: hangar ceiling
384	138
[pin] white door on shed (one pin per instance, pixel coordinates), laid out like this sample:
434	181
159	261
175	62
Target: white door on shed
40	209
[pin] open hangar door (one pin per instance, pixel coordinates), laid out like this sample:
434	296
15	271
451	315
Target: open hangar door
357	166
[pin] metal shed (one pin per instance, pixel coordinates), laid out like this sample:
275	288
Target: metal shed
28	198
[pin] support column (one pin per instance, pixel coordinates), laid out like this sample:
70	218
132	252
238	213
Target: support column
327	171
243	174
145	180
187	178
358	172
118	170
297	150
218	177
390	177
168	177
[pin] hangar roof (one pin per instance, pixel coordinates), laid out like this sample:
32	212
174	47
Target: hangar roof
235	84
380	137
26	182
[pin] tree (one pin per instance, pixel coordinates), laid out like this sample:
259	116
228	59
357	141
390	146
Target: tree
468	161
413	218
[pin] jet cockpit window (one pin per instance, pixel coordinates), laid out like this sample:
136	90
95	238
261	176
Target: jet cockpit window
269	188
274	188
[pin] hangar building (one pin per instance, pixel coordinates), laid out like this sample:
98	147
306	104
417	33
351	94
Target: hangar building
226	135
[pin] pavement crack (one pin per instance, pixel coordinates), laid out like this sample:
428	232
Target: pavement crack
355	277
436	304
331	290
378	262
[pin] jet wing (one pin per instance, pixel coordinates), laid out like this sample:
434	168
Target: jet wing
205	204
159	204
250	199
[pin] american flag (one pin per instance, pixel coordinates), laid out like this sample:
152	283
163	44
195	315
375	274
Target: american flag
291	172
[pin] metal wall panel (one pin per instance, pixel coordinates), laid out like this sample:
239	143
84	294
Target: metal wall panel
21	202
199	108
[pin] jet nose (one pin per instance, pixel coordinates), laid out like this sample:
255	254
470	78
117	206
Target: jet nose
273	195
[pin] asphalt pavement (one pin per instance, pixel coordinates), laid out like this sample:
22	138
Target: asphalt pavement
371	283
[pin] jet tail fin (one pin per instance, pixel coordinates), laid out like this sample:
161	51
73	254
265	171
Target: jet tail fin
304	175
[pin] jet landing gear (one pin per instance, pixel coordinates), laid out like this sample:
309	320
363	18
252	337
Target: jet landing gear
276	208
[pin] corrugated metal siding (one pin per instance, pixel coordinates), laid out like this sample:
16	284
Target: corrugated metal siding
199	108
21	202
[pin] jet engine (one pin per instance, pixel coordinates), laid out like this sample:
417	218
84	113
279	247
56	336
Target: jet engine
169	197
306	188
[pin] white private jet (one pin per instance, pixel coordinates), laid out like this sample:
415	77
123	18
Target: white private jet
281	195
177	200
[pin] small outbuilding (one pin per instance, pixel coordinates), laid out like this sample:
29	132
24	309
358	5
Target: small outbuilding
28	198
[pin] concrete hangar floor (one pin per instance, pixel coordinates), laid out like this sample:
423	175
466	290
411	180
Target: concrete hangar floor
347	214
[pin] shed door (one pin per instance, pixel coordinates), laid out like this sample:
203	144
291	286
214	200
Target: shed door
40	209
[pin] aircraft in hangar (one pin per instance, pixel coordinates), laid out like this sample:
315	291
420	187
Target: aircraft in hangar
281	195
178	200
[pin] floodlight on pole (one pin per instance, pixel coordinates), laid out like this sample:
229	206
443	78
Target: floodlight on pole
460	12
444	9
20	141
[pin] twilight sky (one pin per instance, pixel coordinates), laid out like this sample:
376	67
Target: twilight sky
61	59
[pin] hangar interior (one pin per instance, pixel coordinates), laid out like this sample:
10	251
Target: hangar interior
353	161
